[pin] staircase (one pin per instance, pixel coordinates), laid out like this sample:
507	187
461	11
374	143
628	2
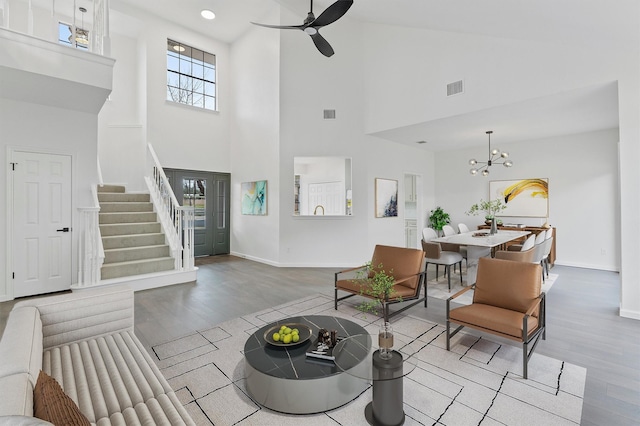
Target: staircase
131	235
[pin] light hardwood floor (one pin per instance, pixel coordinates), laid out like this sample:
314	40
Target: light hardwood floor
583	326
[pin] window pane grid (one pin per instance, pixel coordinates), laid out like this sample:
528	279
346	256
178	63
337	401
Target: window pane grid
191	76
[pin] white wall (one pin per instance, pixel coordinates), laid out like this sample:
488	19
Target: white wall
40	128
311	83
255	139
183	137
583	199
500	71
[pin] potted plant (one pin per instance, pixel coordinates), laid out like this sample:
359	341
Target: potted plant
438	218
378	285
490	208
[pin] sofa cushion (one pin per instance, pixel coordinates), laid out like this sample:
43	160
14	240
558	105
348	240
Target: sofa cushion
17	395
50	403
112	374
21	344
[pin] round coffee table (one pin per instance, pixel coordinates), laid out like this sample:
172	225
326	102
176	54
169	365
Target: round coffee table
284	379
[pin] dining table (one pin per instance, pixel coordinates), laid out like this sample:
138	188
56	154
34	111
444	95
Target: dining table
480	244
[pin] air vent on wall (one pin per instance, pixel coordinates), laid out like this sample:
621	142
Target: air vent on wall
329	114
455	88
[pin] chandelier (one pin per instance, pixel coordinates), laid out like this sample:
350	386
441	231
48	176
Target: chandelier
82	35
495	154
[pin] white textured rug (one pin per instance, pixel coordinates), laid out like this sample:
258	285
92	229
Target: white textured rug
477	382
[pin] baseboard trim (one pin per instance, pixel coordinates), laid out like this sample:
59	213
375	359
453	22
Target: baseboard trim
588	266
146	281
626	313
291	265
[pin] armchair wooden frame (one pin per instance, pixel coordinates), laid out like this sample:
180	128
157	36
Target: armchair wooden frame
401	293
528	338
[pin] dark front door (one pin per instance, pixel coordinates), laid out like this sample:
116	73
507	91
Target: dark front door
208	193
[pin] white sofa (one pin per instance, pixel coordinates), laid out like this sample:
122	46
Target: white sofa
85	341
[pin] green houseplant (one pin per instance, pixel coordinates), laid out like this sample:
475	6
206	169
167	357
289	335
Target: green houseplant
438	218
490	208
376	284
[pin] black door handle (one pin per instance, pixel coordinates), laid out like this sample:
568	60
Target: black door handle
62	230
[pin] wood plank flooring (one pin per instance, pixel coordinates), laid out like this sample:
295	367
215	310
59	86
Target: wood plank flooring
582	316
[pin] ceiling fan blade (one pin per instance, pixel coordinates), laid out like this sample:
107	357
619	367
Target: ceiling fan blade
332	13
281	27
322	44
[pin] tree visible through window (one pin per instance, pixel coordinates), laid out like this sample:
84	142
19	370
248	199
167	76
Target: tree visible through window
191	76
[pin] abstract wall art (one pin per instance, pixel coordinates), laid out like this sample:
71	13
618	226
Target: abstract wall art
524	197
254	198
386	197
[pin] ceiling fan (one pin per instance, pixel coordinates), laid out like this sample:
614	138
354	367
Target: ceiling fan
312	25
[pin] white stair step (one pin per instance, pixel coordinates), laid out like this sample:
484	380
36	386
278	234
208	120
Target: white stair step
111	188
111	229
133	217
136	267
135	240
135	253
129	206
117	197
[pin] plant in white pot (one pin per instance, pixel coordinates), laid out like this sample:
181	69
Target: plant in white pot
490	208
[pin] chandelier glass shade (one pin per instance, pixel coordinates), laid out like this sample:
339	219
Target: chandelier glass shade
482	167
82	35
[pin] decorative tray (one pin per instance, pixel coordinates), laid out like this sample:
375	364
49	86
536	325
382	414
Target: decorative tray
480	234
303	331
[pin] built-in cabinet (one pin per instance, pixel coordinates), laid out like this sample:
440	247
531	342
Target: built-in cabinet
410	193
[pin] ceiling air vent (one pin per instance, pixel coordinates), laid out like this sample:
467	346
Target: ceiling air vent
329	114
455	88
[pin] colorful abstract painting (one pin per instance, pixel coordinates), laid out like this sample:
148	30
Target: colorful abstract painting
524	197
386	198
254	198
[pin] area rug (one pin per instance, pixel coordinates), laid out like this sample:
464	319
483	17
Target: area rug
477	382
439	287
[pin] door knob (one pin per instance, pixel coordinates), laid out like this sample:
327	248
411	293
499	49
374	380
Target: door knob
63	230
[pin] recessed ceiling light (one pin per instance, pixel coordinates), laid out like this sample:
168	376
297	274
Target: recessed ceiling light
207	14
421	142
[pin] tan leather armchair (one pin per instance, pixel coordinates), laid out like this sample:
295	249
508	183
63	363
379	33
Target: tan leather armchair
404	264
507	301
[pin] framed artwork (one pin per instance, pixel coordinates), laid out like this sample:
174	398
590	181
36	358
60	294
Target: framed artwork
524	197
254	198
386	197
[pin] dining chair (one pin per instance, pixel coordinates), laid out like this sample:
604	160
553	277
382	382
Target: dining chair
548	241
525	254
539	248
434	254
463	228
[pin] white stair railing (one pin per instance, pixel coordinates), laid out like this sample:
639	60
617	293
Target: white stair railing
90	249
177	221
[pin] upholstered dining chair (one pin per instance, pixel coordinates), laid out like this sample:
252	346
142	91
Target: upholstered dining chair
449	230
404	264
507	302
539	249
462	228
525	254
546	251
435	255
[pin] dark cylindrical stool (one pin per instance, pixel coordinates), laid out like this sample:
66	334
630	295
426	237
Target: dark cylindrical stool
386	407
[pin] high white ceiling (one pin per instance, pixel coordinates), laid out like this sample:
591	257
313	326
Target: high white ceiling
573	22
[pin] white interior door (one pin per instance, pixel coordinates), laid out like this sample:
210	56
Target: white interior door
328	195
41	223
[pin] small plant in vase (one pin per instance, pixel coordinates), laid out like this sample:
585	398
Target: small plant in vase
490	209
378	285
438	218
